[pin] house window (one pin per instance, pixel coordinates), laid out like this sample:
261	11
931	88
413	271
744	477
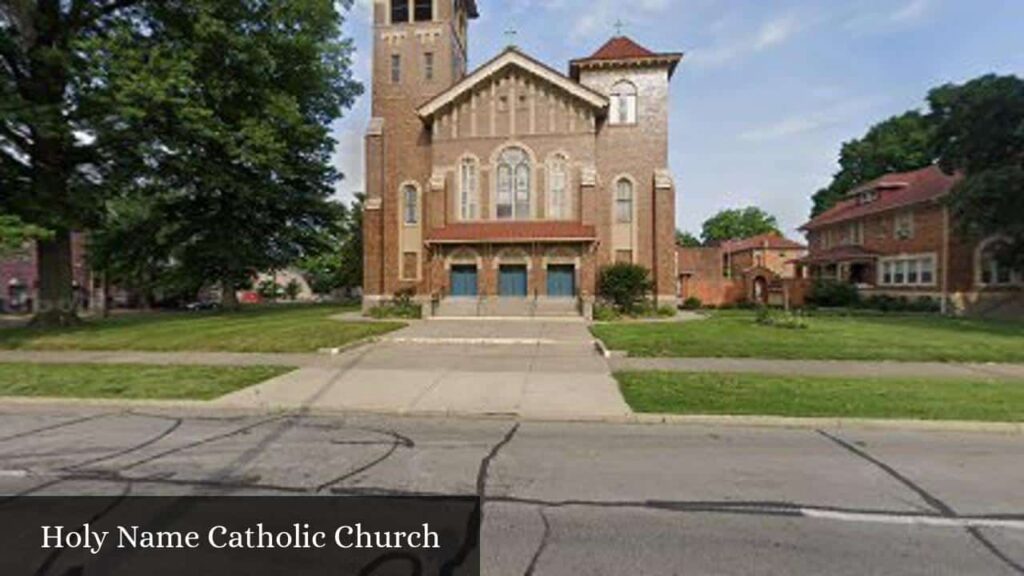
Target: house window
514	181
908	271
410	203
994	272
903	228
399	11
424	10
624	201
468	196
410	263
623	104
396	68
558	184
854	233
428	66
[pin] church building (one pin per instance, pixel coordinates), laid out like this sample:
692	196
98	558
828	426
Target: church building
508	187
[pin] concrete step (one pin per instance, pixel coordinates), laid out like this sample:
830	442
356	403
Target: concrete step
508	308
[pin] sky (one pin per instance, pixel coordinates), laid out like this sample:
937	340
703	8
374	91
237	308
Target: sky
767	91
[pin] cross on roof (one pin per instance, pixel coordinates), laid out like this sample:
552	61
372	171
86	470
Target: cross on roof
619	25
510	34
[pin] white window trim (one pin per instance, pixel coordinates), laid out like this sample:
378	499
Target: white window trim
909	216
419	205
473	197
901	258
632	107
567	207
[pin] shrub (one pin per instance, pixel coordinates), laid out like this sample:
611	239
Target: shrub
666	311
292	289
781	319
604	313
625	286
401	305
832	294
269	290
692	303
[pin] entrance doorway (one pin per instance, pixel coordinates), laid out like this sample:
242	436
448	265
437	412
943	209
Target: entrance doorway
512	280
562	280
464	281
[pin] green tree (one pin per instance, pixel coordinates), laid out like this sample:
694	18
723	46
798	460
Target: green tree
624	285
738	223
14	234
687	239
981	134
47	155
901	143
230	104
340	266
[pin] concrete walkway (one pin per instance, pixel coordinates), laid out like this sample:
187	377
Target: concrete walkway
823	367
536	369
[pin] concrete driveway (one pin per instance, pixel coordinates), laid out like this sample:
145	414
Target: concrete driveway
529	368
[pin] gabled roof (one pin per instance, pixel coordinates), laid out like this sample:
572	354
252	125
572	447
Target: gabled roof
623	51
771	240
519	231
897	190
512	57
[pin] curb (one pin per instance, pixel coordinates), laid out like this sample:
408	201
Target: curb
962	426
350	346
1014	428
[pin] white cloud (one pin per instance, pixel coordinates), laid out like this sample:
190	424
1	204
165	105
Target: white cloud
913	10
775	32
601	15
835	114
772	33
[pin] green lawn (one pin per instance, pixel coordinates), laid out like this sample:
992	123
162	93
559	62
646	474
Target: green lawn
261	329
903	338
755	394
132	382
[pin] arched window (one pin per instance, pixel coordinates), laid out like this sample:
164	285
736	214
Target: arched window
994	271
558	187
624	201
623	104
410	204
514	180
469	197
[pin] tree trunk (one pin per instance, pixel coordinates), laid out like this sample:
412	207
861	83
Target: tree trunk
57	303
228	297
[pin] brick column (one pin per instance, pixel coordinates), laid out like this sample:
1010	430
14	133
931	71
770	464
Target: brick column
373	220
664	257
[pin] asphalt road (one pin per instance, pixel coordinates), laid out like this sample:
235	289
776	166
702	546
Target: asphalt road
579	498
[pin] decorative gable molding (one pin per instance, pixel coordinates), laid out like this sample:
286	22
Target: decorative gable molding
514	58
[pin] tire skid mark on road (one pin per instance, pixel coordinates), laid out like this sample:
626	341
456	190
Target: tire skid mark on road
937	504
175	424
49	427
397	441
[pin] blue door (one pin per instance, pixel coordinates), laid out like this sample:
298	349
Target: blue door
562	281
464	281
512	281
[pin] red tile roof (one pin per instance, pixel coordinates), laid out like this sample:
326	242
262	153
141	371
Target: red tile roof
894	191
512	232
770	240
623	49
620	48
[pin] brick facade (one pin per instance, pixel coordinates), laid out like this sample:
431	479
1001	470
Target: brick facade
737	270
453	157
895	236
19	279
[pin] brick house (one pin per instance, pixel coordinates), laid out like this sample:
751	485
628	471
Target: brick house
894	236
749	269
19	280
514	182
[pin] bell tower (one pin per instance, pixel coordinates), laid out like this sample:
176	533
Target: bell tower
420	48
